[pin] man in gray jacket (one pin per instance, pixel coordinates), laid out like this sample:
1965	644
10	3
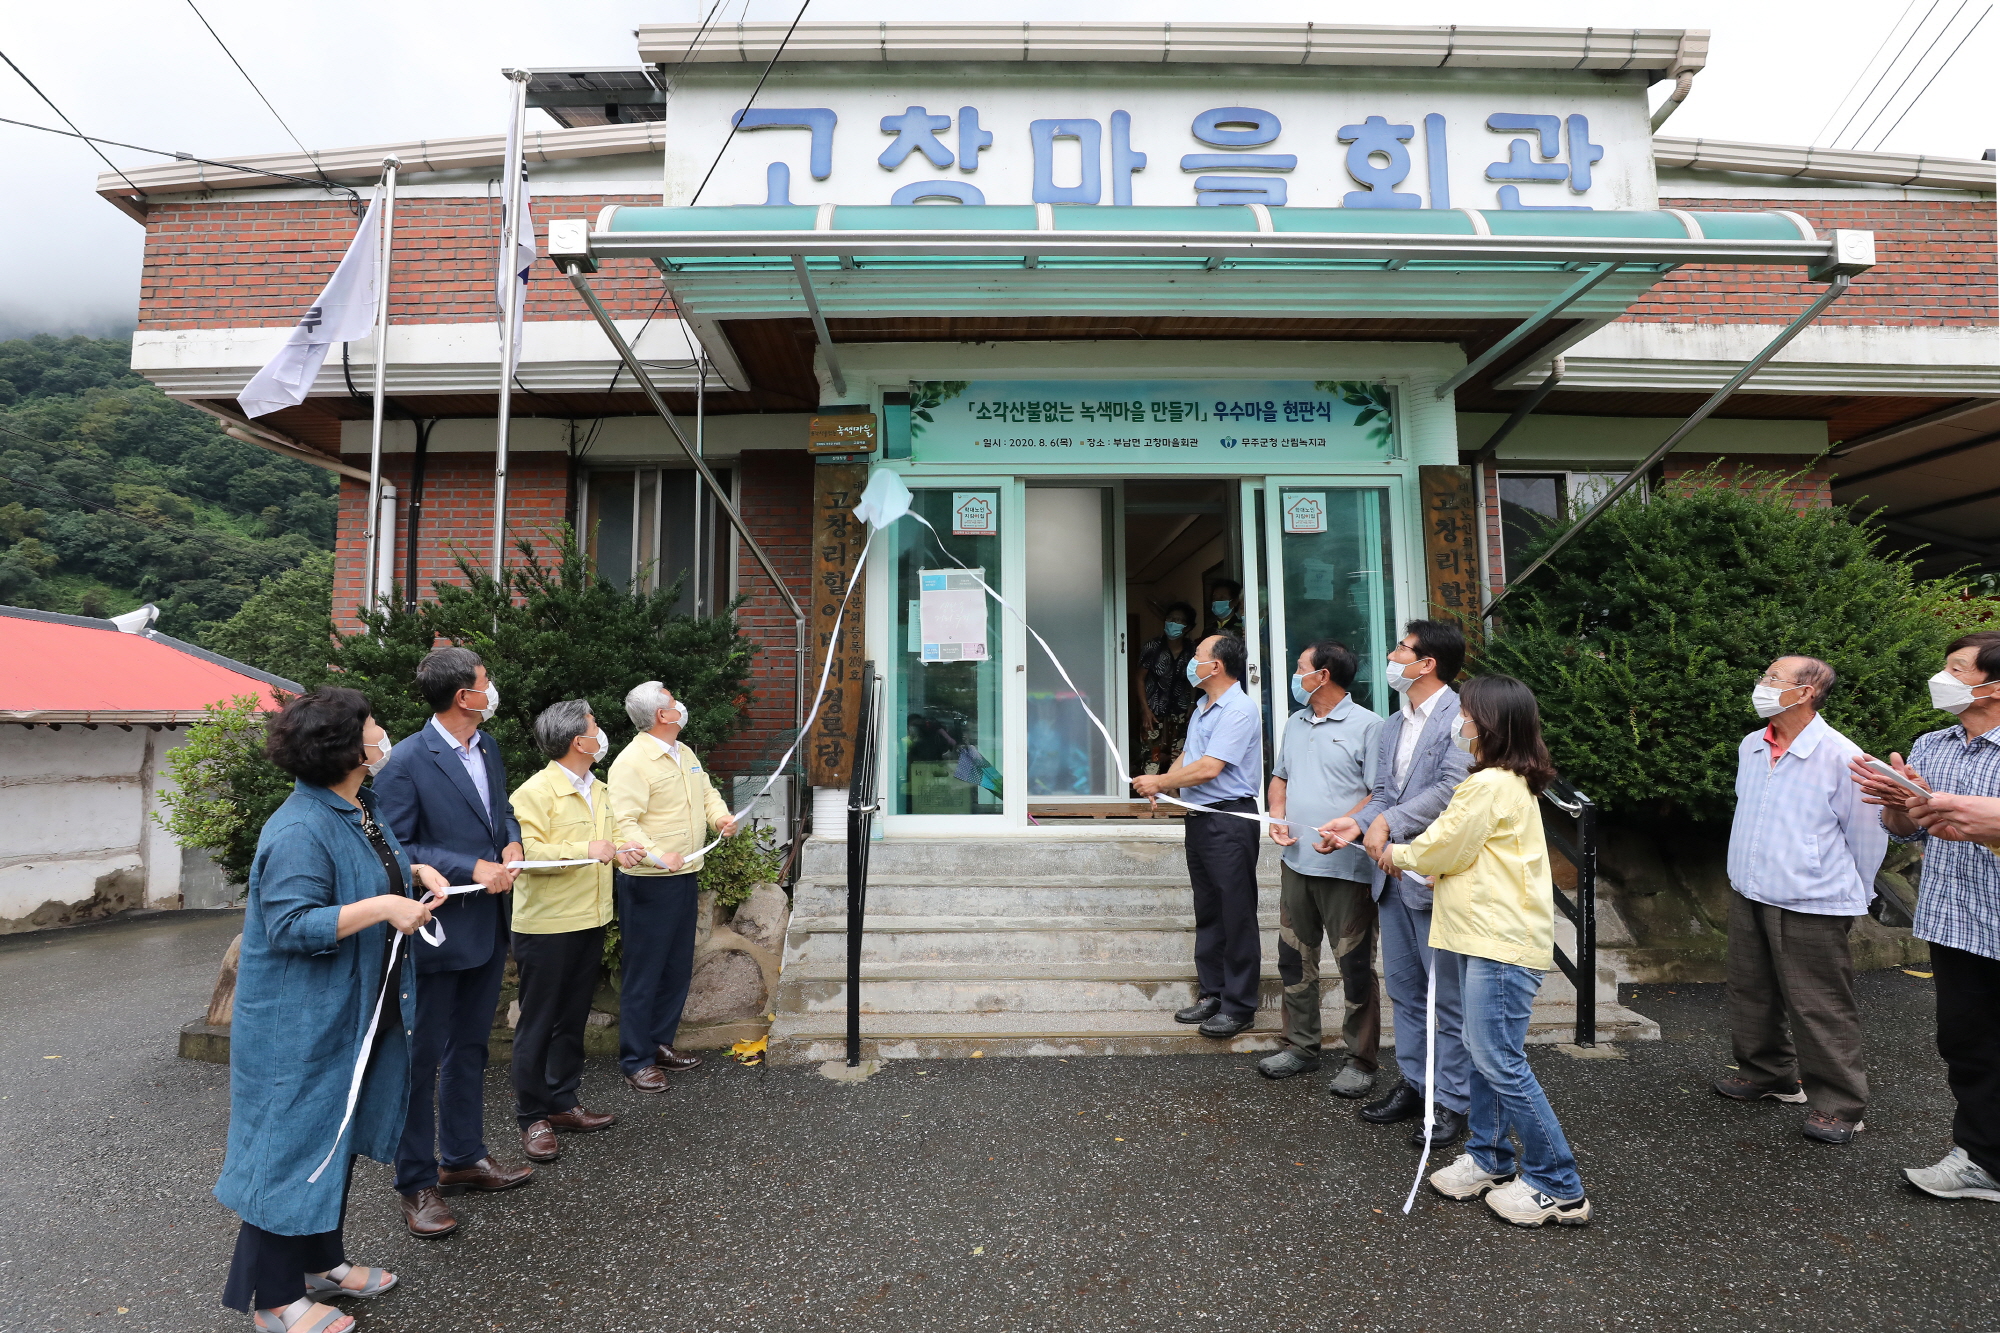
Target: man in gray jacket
1416	770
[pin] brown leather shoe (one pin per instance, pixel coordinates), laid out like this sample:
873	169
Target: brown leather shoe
676	1063
486	1176
538	1141
576	1120
650	1079
427	1215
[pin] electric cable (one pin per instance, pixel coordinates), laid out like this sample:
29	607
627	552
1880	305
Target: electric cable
1917	65
67	121
1894	28
1934	76
259	91
1867	97
348	190
735	120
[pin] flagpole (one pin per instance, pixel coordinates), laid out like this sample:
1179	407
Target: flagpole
510	311
371	579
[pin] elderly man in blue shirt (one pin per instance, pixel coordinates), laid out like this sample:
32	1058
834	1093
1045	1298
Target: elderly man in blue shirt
1803	852
1219	769
1325	769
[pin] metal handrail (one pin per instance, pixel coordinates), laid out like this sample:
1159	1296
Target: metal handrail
863	800
1582	912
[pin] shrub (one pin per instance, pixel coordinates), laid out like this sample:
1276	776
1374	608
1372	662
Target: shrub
740	864
1644	635
225	787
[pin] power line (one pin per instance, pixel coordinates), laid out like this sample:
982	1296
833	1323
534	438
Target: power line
255	89
1917	65
1868	96
734	120
67	121
1894	28
1934	75
93	139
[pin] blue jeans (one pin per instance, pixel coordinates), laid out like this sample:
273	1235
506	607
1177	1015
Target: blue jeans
1505	1093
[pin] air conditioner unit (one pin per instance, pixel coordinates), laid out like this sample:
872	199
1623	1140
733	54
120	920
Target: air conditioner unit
773	809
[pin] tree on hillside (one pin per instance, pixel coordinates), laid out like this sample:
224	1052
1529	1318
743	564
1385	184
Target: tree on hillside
287	627
112	494
1644	635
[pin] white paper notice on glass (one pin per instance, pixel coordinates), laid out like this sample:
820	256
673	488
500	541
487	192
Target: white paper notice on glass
975	513
1305	513
953	607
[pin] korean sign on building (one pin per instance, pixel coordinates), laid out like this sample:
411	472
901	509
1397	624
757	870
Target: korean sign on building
1385	139
1284	422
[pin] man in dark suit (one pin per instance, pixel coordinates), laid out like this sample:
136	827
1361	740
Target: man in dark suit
1416	769
444	792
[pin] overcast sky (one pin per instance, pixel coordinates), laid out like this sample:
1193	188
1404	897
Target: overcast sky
372	71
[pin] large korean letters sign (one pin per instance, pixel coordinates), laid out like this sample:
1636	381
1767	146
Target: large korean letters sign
1054	134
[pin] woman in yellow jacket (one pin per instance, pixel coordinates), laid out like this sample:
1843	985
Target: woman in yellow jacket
1494	921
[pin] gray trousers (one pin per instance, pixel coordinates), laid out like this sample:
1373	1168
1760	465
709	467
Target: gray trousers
1792	1016
1317	909
1407	960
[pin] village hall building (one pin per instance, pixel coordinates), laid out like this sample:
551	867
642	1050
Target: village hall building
1319	322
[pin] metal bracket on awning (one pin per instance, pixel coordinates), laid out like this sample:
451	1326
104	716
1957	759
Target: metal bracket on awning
819	326
1575	292
1835	290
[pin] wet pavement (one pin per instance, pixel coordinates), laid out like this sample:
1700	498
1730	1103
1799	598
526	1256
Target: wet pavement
1141	1193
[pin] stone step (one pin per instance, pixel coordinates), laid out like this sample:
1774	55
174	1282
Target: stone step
1161	939
962	860
922	896
813	1037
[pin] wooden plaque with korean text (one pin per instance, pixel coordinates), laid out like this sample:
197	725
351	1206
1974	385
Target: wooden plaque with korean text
837	541
1451	541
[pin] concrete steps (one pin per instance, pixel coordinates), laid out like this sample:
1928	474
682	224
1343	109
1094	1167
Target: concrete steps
1053	945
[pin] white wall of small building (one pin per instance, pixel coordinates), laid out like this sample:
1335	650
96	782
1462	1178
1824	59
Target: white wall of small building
79	839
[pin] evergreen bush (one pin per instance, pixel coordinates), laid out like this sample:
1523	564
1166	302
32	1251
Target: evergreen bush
1643	636
224	788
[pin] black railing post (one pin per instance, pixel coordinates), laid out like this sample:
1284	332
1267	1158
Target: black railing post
861	803
1586	921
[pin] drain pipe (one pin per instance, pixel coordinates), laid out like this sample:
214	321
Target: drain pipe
579	278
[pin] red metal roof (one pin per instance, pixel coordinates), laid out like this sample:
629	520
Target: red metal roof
79	672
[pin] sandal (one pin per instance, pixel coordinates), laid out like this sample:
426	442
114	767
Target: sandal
333	1282
303	1316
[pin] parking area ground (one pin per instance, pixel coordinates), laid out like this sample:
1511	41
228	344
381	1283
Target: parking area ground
1143	1194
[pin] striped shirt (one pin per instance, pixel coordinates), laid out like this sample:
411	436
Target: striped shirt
1958	902
1802	838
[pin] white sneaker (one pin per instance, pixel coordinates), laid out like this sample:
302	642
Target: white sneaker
1956	1177
1466	1179
1525	1206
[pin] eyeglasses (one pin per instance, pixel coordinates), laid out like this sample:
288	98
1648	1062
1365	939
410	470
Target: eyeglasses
1769	678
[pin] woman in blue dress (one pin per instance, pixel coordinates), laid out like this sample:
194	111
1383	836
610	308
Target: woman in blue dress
329	891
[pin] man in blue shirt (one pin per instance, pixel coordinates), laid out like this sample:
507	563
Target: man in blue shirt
1325	769
1219	770
1803	852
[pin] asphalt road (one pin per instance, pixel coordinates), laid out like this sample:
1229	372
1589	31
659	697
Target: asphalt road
1144	1194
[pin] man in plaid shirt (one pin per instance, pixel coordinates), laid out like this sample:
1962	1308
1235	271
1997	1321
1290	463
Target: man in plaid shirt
1958	904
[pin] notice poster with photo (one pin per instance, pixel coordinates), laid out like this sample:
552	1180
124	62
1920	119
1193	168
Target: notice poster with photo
953	611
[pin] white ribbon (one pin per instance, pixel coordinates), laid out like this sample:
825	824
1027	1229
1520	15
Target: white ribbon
1430	1075
361	1064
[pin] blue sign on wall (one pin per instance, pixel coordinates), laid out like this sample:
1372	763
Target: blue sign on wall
1256	425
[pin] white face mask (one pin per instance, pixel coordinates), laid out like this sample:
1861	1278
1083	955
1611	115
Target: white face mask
492	693
1399	682
600	746
1951	694
680	721
1461	740
376	762
1765	699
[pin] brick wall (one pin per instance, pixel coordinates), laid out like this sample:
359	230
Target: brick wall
457	518
238	264
776	503
1934	268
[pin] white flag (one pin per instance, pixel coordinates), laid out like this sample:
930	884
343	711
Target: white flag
344	312
515	202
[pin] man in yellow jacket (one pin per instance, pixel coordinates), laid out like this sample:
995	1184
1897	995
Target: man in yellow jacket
559	919
664	805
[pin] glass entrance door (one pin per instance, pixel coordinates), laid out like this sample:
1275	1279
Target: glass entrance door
1072	601
1331	563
